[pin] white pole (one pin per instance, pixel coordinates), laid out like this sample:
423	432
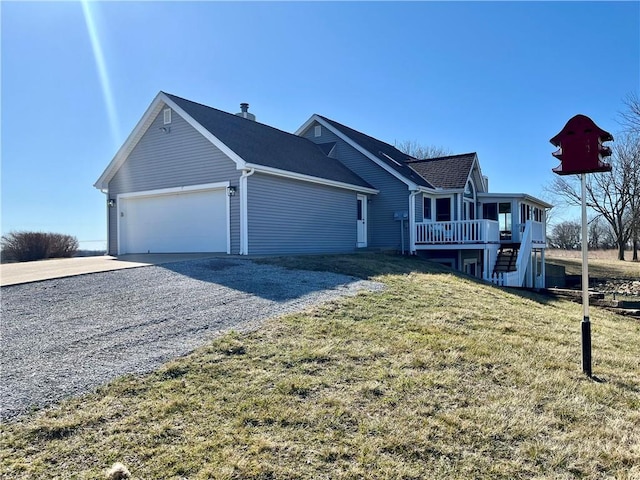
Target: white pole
586	325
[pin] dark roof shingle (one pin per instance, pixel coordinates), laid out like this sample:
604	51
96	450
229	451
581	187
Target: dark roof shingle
261	144
445	172
388	154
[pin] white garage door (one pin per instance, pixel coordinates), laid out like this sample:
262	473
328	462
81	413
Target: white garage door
194	221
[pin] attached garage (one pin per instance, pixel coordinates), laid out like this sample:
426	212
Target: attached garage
186	219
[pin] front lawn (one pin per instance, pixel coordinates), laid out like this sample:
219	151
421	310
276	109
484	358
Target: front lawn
436	377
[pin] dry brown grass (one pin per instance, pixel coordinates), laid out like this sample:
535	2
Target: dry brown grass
437	377
593	254
602	264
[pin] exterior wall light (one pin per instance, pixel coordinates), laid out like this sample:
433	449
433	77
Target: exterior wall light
111	202
231	191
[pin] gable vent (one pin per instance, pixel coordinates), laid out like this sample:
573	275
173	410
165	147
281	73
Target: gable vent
244	112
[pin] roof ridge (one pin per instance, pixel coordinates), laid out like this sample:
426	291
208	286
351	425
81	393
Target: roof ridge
447	157
172	96
364	134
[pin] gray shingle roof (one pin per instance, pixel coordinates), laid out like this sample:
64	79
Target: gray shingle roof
261	144
388	154
445	172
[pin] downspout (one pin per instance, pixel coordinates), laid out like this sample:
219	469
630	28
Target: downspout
106	192
412	222
244	212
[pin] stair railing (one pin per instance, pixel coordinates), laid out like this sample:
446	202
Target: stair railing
524	254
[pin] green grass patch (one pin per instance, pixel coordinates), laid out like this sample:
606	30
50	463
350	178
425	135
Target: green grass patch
437	376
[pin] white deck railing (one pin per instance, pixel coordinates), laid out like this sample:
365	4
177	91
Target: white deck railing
457	232
538	232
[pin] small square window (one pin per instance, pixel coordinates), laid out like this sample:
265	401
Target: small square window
318	131
167	116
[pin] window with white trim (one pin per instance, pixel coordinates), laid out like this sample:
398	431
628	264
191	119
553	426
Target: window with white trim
426	208
167	116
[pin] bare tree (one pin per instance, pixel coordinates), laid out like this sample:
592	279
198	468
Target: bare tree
629	153
566	235
420	152
596	233
630	117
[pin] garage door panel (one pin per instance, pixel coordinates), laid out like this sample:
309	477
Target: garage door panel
178	222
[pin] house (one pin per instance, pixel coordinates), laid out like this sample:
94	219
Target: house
191	178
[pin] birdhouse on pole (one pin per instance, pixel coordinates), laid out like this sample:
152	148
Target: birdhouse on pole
580	147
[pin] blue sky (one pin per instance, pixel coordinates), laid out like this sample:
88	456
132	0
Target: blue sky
497	78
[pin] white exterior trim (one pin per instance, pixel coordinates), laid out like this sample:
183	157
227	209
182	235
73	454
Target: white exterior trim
168	191
412	222
309	178
365	218
316	118
160	102
244	211
205	133
513	196
132	140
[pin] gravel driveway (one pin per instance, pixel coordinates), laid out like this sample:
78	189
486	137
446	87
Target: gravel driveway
67	336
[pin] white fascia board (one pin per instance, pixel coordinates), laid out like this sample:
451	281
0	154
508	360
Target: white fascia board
470	175
443	192
168	191
132	140
315	118
306	125
522	196
309	178
240	163
476	163
159	102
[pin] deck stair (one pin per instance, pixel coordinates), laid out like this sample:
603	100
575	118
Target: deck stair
507	258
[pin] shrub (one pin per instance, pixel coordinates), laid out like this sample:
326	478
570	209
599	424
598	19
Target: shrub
28	246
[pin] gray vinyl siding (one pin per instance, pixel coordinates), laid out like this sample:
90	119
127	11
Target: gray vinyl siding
383	230
179	158
419	207
290	216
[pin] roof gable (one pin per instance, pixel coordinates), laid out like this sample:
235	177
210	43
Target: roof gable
248	143
450	172
385	155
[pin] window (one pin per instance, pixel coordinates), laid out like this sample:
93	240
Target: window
468	190
504	209
426	208
317	131
167	116
443	209
537	214
490	211
525	212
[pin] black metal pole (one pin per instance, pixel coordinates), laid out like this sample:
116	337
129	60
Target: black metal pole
586	346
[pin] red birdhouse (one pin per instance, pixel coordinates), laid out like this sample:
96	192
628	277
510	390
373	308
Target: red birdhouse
580	147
